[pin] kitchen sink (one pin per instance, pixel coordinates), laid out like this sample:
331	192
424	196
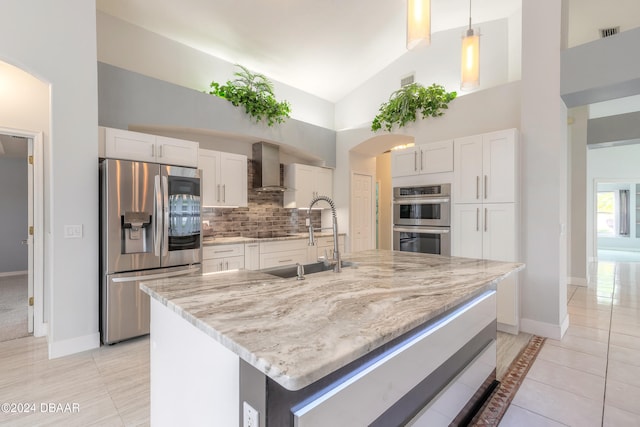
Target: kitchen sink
292	270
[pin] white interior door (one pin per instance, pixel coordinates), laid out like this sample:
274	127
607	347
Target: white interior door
362	212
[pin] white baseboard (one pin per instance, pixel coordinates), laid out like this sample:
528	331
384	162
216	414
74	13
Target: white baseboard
577	281
14	273
73	345
510	329
543	329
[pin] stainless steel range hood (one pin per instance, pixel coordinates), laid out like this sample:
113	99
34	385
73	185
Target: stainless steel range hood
267	173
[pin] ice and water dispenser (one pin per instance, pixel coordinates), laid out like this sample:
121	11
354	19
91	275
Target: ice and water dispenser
137	235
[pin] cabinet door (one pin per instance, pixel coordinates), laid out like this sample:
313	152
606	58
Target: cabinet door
252	256
124	144
466	230
499	243
178	152
233	176
467	187
209	164
234	263
404	162
436	157
324	182
300	181
212	265
499	167
499	240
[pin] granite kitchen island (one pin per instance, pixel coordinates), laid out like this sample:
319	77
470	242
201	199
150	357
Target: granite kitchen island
388	340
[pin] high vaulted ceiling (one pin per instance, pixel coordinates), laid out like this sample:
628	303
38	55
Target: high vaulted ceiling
324	47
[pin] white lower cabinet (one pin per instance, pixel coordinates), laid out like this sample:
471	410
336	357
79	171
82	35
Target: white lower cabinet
222	258
488	231
252	256
283	252
326	244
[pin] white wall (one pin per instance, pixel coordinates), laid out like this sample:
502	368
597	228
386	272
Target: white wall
13	214
438	63
612	164
133	48
58	45
544	172
577	229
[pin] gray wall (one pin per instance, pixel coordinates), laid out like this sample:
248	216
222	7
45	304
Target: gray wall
601	70
129	99
13	214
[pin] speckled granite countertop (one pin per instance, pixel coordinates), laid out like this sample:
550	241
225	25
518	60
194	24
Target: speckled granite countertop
212	241
297	332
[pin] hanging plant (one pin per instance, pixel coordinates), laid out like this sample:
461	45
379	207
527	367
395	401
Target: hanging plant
255	92
404	104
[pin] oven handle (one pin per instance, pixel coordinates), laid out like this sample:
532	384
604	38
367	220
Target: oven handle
433	201
422	230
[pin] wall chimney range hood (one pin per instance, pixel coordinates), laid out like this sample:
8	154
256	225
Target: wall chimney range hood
267	167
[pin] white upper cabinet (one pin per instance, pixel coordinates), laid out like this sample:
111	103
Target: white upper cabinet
224	178
305	182
434	157
128	145
485	168
178	152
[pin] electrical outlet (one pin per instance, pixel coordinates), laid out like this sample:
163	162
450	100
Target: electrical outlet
250	417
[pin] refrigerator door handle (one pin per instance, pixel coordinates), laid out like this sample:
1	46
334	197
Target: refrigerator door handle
155	276
158	216
165	209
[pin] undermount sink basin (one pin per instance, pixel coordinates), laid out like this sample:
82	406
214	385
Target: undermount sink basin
292	270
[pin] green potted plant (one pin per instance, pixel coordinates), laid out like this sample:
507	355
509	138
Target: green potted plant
255	92
404	104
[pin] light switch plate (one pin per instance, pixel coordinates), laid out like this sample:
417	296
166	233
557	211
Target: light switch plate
73	231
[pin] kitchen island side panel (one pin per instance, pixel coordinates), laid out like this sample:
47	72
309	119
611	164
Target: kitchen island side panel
194	379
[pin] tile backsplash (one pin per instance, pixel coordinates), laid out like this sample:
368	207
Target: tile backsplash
263	217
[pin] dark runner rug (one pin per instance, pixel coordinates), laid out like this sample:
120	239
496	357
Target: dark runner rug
495	407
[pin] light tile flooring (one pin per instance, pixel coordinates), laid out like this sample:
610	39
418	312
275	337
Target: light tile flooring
109	385
592	376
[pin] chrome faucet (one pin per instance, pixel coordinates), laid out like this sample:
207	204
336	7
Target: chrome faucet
337	263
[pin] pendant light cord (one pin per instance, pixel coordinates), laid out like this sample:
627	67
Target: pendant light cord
469	31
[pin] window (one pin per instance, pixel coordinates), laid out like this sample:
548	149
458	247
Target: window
606	213
613	213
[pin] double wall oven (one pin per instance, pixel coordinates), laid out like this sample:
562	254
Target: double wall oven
422	219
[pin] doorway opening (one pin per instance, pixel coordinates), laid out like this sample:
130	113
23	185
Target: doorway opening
21	234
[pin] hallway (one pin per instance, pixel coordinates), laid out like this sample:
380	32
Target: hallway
592	376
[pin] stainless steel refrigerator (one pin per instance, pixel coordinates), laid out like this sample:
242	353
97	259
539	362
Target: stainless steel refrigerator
150	228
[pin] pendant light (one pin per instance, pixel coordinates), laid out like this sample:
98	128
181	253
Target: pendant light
470	58
418	23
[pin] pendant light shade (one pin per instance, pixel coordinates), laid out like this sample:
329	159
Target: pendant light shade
418	23
470	58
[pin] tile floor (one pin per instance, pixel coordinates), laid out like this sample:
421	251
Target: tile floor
592	376
589	378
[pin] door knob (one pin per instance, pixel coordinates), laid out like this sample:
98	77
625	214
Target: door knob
24	242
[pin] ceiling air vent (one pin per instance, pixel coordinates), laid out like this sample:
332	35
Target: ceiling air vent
608	32
407	80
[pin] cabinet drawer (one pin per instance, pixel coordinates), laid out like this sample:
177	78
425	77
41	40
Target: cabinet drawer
283	245
276	259
222	251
